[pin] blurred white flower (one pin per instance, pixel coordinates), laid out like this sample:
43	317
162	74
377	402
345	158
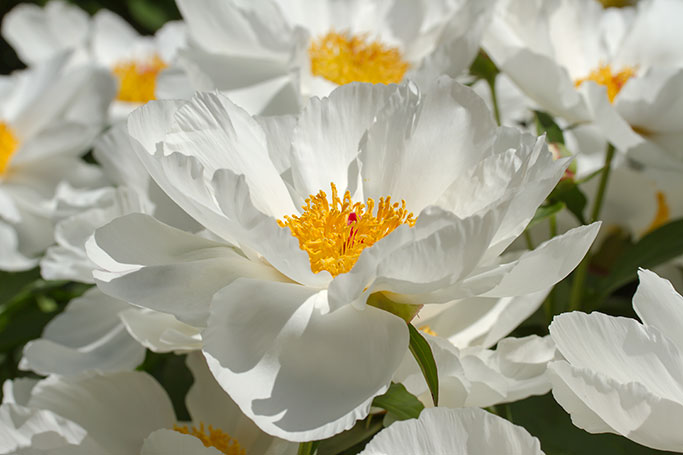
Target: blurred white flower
622	376
619	69
126	413
49	116
442	431
265	54
279	289
105	40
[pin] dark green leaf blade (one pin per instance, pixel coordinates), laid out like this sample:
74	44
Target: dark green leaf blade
425	359
569	193
657	247
546	124
399	402
546	211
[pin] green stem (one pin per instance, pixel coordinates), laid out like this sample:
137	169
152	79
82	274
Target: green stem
582	270
529	241
307	448
494	100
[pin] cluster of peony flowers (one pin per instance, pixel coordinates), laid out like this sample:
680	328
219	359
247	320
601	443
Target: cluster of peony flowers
329	210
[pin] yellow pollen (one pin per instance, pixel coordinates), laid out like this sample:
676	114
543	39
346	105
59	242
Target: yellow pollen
334	233
138	80
428	330
213	438
604	76
341	58
663	214
8	145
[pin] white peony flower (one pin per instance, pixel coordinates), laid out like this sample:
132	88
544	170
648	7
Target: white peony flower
105	40
126	413
293	299
618	69
93	333
265	54
622	376
48	117
442	431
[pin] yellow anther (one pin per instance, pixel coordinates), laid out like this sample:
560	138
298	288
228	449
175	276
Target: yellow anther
8	145
334	233
662	215
213	438
613	81
341	58
138	79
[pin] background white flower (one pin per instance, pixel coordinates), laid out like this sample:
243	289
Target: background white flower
442	431
49	116
621	376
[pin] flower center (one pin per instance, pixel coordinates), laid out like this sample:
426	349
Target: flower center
334	233
213	438
342	58
8	145
613	81
138	79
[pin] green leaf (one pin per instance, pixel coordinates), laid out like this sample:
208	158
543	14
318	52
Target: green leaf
544	418
12	284
307	448
484	68
569	193
151	14
657	247
399	402
546	124
425	359
545	211
352	441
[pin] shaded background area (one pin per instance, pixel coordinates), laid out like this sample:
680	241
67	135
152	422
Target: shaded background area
146	16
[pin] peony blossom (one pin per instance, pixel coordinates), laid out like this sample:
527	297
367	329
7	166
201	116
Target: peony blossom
327	232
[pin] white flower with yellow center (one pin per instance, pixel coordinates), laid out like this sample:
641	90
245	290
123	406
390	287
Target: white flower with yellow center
324	227
620	69
265	54
621	376
98	332
443	431
105	40
126	413
48	117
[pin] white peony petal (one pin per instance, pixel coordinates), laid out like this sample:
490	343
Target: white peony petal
620	349
160	332
87	336
118	410
454	432
327	135
658	304
600	404
298	353
410	139
169	442
112	38
189	269
37	34
549	263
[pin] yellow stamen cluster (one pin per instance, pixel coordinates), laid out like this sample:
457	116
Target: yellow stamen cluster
613	81
138	80
663	214
341	58
213	438
8	145
334	233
